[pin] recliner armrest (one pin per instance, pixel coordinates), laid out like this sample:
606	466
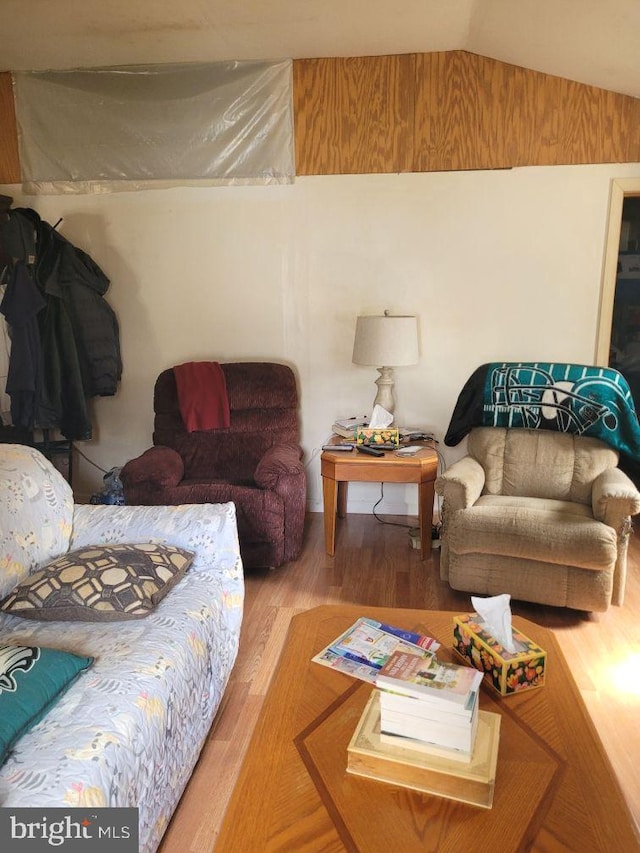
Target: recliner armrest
281	460
614	498
461	485
158	466
281	471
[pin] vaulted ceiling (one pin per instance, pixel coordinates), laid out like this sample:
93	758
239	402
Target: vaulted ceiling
591	41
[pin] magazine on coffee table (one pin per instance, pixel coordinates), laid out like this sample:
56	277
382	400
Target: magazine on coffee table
363	649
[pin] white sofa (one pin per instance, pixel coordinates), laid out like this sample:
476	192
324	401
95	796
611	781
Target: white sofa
129	730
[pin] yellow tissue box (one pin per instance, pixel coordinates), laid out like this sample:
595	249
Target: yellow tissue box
387	435
506	672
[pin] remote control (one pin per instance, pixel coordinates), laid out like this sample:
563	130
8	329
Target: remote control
372	451
338	446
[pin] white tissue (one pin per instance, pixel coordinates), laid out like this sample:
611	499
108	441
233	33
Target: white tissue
380	418
495	612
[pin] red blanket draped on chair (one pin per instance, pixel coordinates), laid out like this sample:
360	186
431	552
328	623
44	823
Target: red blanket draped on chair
202	395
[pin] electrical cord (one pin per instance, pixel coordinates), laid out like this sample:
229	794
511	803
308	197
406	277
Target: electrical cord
382	520
314	453
413	530
86	458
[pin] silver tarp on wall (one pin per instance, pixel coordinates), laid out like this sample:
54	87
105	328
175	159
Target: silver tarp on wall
106	129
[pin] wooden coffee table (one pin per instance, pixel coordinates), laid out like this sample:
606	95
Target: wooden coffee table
555	788
339	467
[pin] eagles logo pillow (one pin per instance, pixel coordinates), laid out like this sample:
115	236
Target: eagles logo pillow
32	679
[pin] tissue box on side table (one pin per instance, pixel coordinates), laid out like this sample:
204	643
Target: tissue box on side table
383	435
506	672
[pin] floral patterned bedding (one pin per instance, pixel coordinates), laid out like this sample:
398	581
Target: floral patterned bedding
129	731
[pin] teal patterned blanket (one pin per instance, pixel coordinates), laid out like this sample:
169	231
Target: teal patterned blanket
576	398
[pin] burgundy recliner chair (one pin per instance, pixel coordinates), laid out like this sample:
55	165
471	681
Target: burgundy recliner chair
256	462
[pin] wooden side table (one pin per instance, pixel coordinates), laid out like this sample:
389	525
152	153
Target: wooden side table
339	468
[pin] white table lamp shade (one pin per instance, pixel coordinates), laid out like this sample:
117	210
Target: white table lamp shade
386	341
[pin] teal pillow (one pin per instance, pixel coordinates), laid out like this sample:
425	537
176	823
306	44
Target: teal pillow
32	679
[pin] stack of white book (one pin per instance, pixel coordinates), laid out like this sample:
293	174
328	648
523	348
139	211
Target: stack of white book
428	704
371	754
346	427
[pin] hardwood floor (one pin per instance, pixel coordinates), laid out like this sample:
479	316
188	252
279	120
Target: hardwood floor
375	565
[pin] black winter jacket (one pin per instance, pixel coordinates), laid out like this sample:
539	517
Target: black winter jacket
65	272
78	330
21	304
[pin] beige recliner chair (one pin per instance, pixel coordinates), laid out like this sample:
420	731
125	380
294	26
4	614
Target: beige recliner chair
544	516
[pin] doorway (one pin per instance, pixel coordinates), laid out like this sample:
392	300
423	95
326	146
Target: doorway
618	343
622	244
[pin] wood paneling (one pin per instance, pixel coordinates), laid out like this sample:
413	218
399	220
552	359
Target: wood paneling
469	112
354	115
9	160
518	124
444	113
621	126
475	113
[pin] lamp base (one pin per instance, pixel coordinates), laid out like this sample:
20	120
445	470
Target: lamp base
385	383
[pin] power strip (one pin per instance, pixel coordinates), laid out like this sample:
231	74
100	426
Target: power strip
416	542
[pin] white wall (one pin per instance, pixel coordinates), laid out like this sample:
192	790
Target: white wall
496	264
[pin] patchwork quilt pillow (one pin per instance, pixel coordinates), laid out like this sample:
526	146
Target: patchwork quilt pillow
32	679
100	583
